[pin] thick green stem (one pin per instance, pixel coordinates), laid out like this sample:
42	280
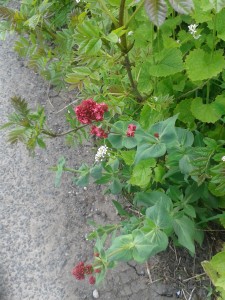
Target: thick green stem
54	134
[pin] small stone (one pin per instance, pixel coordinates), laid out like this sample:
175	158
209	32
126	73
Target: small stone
95	294
85	188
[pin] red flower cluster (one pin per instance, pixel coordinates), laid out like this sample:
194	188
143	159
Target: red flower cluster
89	111
131	130
99	132
156	135
80	270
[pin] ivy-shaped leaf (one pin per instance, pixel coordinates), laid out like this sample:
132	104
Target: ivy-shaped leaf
156	10
208	113
201	65
168	62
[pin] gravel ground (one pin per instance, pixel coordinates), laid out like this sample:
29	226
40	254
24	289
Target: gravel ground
43	228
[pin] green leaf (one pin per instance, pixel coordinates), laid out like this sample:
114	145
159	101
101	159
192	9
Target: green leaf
93	46
167	62
183	109
160	212
147	245
185	164
119	208
201	65
185	230
115	186
208	113
121	248
156	10
182	6
59	171
166	131
142	173
216	269
151	198
147	151
128	156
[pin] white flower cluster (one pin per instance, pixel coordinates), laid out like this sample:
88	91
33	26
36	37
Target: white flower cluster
192	29
101	153
223	158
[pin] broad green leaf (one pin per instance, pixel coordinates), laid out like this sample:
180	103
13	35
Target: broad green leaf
147	245
142	173
147	151
149	199
185	231
201	65
185	164
121	248
166	131
167	62
128	156
160	213
115	186
183	109
156	10
185	137
209	113
182	6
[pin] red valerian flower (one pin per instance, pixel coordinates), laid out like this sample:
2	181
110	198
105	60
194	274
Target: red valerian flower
156	135
89	111
92	280
88	269
79	271
99	132
97	270
131	130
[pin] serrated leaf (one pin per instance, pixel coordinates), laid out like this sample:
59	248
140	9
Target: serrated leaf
93	46
182	6
156	10
168	62
201	65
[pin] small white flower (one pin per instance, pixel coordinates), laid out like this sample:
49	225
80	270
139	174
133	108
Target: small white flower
223	158
178	41
101	153
130	33
193	31
77	1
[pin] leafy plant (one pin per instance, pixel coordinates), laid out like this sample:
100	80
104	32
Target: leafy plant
155	69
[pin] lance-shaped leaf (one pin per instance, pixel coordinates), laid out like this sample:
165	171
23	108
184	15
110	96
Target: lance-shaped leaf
182	6
156	10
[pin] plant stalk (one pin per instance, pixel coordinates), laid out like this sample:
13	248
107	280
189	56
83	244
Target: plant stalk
125	51
54	134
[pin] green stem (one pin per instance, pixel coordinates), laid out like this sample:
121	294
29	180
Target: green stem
136	11
125	51
54	134
207	92
107	11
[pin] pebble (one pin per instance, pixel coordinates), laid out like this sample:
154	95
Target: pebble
95	294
